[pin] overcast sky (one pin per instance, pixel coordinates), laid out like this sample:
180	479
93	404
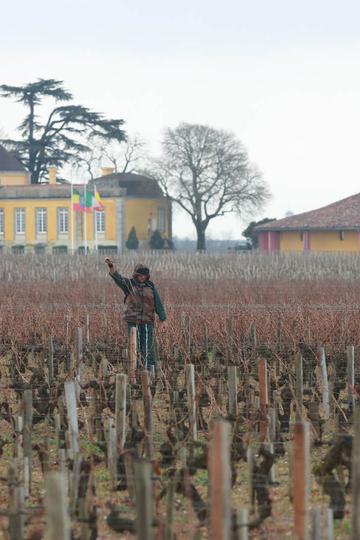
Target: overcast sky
284	76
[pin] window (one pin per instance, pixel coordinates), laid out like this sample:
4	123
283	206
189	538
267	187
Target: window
99	221
342	235
161	219
63	221
20	221
2	221
41	221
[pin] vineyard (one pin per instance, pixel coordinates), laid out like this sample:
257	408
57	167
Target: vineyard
248	428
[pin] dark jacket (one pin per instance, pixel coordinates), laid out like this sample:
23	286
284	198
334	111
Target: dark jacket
142	300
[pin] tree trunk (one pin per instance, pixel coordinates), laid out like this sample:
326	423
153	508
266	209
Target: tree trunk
200	244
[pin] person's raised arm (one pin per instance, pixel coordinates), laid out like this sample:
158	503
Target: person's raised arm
122	282
110	265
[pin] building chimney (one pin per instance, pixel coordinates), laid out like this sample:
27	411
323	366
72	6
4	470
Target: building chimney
106	170
52	175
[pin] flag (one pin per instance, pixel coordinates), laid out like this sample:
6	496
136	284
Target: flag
82	202
97	202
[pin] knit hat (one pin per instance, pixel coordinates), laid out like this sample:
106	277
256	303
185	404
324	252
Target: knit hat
142	270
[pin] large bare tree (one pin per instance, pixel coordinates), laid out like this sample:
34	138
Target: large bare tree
207	172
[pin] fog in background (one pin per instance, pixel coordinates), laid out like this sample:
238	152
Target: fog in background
283	76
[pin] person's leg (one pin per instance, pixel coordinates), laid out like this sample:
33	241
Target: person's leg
150	347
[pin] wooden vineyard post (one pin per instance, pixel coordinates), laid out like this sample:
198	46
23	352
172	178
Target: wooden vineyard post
232	387
350	376
112	454
243	524
316	524
264	398
79	346
355	478
58	521
27	429
144	500
132	355
220	481
301	481
330	524
190	385
87	328
16	505
299	389
70	398
146	391
229	339
170	499
51	362
19	437
120	409
325	383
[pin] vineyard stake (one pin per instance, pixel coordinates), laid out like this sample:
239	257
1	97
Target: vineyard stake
169	534
190	385
19	436
144	500
129	473
350	376
56	507
264	398
51	362
120	409
132	355
301	481
112	454
220	481
316	524
325	383
75	481
70	397
146	391
243	524
27	429
232	387
299	386
355	478
329	524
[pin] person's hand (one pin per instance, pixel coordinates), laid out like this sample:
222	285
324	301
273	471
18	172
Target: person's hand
110	264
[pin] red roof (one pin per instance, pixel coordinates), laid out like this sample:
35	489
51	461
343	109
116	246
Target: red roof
340	215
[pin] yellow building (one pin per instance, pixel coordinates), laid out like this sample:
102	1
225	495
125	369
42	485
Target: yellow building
39	217
335	227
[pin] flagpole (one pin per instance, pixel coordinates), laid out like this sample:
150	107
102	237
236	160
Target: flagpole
95	215
85	220
72	218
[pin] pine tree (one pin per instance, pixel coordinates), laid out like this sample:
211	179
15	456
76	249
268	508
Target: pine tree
63	137
132	242
156	240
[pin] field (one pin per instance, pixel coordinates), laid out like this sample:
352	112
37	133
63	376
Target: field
245	429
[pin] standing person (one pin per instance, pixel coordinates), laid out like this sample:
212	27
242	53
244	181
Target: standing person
141	301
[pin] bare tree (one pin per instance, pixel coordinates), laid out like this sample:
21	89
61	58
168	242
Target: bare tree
124	157
207	172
